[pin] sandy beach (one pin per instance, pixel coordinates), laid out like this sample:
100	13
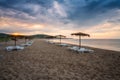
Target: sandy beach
45	61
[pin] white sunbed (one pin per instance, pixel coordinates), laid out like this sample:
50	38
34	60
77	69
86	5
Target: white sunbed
63	44
75	48
81	50
47	41
84	50
11	48
27	44
30	42
51	42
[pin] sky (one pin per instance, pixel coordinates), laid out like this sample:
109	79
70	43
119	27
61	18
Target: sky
99	18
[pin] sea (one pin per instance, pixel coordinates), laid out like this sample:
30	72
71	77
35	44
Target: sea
109	44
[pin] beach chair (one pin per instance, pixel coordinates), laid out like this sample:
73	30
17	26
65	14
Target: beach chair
27	43
51	42
81	50
75	48
63	44
12	48
84	50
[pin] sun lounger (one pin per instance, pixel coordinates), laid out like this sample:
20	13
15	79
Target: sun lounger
11	48
30	42
84	50
47	41
75	48
51	42
63	44
27	44
81	50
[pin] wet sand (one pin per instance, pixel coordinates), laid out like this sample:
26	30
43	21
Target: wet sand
45	61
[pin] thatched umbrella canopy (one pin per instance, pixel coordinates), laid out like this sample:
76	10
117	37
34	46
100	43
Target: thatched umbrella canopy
50	37
26	38
60	37
15	37
80	34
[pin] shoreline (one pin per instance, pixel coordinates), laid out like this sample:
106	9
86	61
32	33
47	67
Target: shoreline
86	47
45	61
4	43
95	43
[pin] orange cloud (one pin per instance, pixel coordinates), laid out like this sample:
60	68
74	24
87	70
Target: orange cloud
105	30
14	22
7	23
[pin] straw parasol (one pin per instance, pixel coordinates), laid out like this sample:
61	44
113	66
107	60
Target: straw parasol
80	34
15	35
60	37
26	38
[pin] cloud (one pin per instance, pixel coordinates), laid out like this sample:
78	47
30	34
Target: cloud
104	30
91	12
59	15
78	12
10	25
15	14
59	9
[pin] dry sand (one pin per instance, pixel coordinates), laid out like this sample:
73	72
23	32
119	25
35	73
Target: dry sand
44	61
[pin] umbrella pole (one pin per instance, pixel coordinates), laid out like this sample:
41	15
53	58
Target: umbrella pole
25	40
60	40
15	41
79	42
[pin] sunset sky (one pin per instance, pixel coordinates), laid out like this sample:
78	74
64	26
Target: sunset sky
100	18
